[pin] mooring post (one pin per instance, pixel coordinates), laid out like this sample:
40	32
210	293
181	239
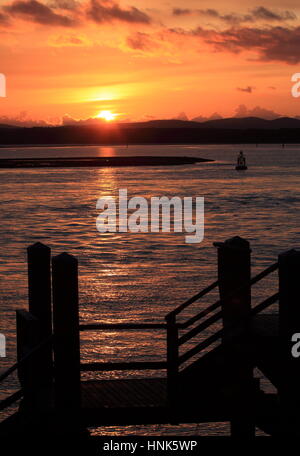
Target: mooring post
234	274
289	334
28	333
66	336
39	294
172	360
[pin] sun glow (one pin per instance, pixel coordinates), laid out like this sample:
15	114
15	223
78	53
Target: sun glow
106	115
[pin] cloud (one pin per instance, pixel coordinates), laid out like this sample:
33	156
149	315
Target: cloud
69	5
69	40
231	18
181	116
181	11
274	43
66	13
158	44
258	13
141	41
248	89
35	11
4	20
268	15
23	120
106	11
214	116
243	111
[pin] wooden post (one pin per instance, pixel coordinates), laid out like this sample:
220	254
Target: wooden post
289	324
234	271
28	332
172	360
66	334
39	293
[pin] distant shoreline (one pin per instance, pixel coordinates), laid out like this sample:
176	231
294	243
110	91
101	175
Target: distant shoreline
67	145
74	162
227	131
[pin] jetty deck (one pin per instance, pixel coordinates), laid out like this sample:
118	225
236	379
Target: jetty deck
210	381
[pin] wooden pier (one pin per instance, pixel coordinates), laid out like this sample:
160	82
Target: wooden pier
217	386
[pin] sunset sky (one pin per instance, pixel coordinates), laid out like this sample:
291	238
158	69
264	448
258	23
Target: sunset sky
67	60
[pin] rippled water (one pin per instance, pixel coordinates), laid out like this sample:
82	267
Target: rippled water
140	277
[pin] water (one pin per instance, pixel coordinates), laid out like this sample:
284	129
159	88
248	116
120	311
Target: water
140	277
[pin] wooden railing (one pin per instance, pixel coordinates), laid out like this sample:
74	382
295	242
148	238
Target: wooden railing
18	366
174	359
56	357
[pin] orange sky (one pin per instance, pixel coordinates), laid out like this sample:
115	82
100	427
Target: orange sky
71	59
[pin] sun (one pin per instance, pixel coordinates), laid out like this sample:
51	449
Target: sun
106	115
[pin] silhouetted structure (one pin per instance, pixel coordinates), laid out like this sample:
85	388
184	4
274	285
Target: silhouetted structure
218	386
241	162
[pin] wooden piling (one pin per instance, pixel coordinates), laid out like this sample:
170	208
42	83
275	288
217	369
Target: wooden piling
66	333
39	294
28	333
234	274
234	270
289	324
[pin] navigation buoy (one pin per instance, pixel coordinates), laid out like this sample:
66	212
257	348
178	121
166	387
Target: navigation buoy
241	162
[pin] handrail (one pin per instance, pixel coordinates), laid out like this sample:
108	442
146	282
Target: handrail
218	334
200	315
8	401
190	301
25	358
264	304
264	273
120	326
218	303
193	332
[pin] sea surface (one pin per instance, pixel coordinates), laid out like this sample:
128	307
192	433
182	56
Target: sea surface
139	277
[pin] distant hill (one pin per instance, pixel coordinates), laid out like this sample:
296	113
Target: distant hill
7	126
230	123
168	123
219	131
234	123
256	123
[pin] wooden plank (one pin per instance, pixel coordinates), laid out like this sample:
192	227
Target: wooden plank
143	401
124	393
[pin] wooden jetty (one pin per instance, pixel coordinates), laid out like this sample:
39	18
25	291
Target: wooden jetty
217	386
